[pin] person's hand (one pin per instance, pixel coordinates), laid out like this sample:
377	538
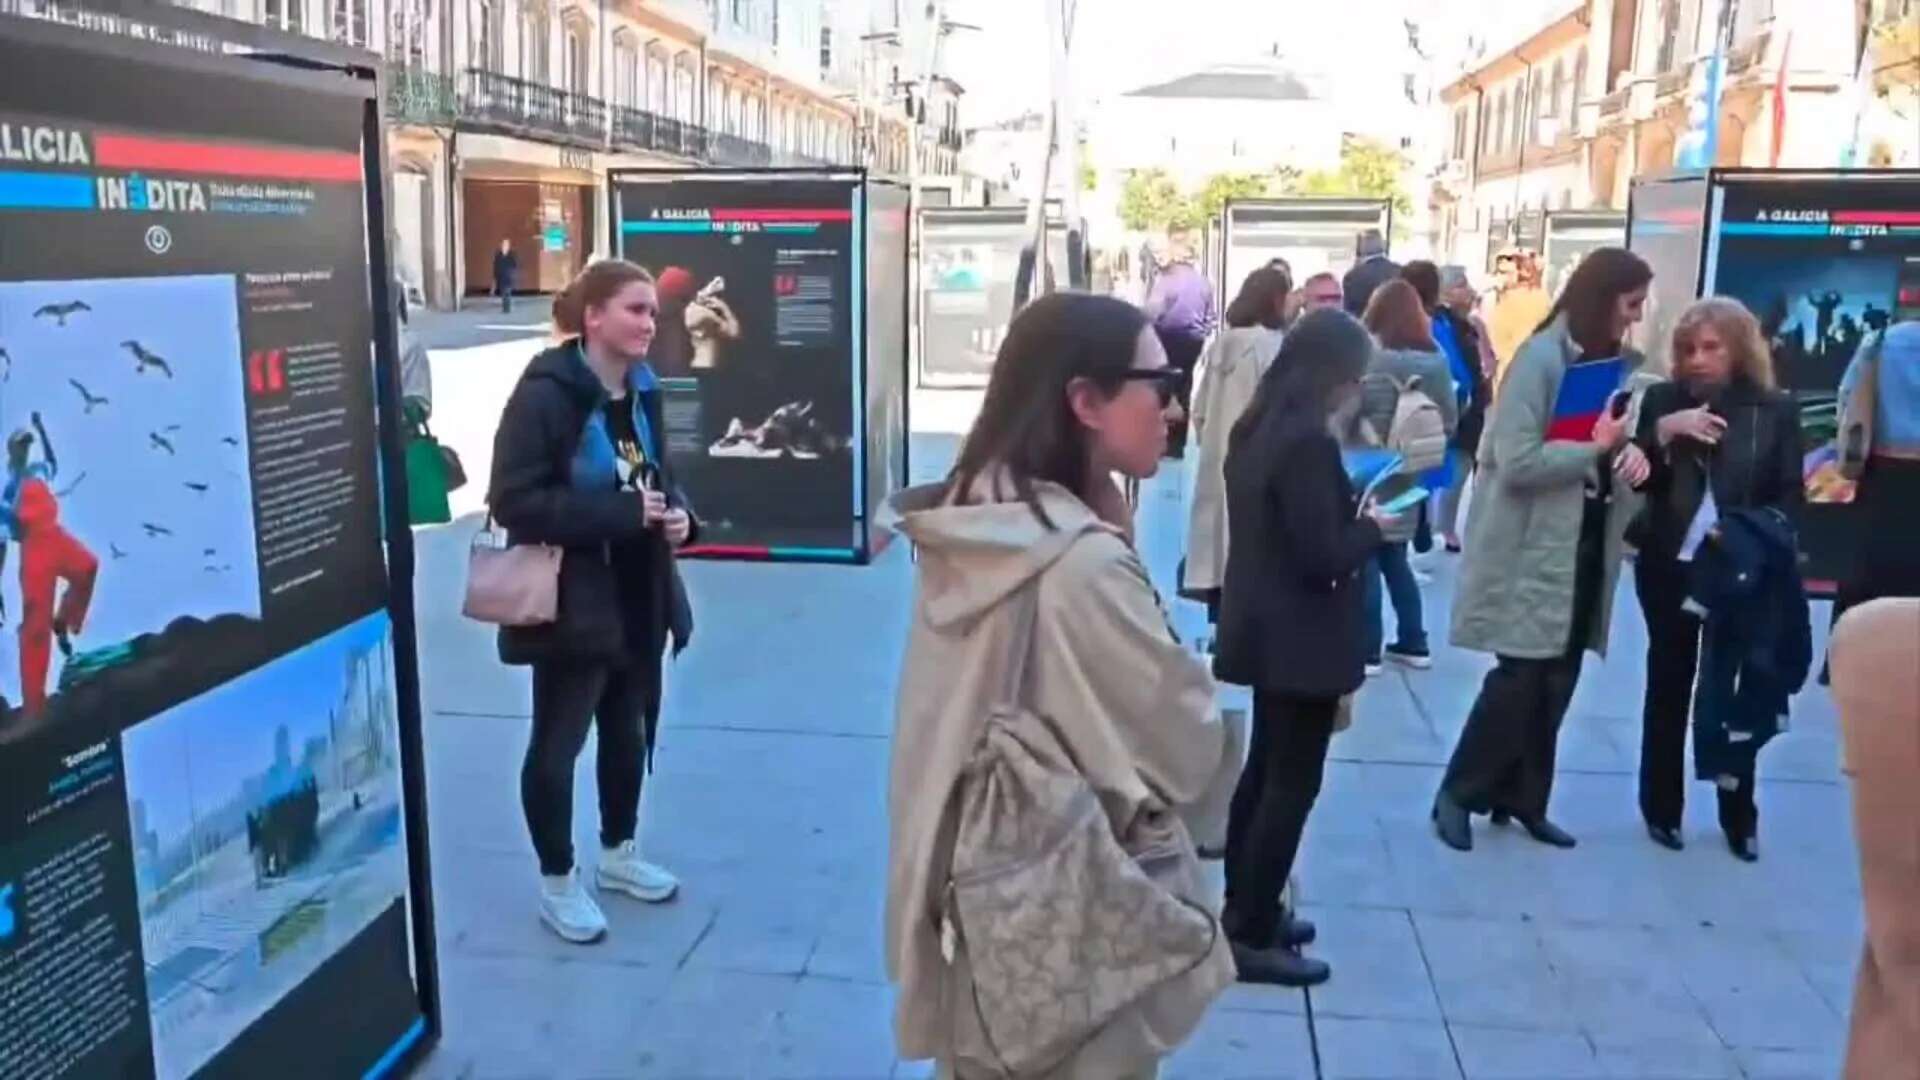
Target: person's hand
1631	466
1698	424
1609	431
654	506
679	526
1386	519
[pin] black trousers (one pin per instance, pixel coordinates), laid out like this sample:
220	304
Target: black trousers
568	699
1673	660
1183	352
1277	790
1505	757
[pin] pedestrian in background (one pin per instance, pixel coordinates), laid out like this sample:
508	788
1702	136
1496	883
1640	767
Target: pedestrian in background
1370	270
1455	313
1718	433
1408	358
1544	544
1321	290
506	273
578	463
1519	307
1880	396
1229	371
1031	860
1182	308
1290	621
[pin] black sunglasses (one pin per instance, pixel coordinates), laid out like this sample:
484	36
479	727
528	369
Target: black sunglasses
1166	381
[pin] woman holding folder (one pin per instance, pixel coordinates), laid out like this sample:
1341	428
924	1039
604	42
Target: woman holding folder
1544	544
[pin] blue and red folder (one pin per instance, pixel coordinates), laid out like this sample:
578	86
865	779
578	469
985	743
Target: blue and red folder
1584	392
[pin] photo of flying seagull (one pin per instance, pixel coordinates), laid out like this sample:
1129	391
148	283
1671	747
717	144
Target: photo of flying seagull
198	487
147	359
156	530
61	312
159	442
114	550
87	397
230	441
6	366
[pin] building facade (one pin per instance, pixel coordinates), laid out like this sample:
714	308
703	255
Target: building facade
505	115
1607	90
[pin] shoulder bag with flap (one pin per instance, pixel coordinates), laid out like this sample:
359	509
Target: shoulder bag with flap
511	584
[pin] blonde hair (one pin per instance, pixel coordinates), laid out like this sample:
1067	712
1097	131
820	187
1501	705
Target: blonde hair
594	286
1746	343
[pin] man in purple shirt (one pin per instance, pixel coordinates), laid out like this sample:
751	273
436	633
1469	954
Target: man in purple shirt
1181	306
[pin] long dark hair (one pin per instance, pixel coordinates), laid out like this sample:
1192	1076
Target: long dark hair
1026	425
1262	299
1591	294
1326	351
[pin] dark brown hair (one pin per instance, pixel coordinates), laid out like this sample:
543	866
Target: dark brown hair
1592	292
594	287
1026	424
1425	279
1262	299
1398	319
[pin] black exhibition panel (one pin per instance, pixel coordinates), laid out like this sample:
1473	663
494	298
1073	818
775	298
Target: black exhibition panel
212	823
1313	235
1570	235
781	349
969	257
1823	259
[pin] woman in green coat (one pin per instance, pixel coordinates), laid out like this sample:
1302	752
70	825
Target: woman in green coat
1543	551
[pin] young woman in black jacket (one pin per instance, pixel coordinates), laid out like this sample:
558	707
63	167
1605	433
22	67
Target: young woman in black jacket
1290	620
579	462
1719	426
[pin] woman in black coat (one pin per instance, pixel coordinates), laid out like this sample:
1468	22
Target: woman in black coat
579	462
1719	427
1290	621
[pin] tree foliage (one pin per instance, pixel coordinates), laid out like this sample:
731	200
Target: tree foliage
1368	169
1150	201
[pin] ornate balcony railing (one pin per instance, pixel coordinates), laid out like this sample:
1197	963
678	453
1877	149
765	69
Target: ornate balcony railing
724	149
493	98
414	96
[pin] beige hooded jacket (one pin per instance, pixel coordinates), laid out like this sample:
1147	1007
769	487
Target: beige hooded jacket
1224	382
1134	707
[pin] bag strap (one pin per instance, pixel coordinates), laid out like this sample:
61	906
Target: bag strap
1026	620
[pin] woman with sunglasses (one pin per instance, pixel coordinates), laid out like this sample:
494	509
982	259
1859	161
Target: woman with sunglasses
578	462
1291	620
1031	602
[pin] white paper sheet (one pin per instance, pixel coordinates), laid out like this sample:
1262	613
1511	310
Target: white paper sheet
1704	521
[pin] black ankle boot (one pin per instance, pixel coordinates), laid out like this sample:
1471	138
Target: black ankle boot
1451	822
1548	833
1295	931
1278	966
1744	848
1666	837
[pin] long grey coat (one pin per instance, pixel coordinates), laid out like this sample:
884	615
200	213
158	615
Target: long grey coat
1515	596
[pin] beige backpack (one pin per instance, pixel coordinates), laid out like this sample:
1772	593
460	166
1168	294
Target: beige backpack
1418	432
1052	926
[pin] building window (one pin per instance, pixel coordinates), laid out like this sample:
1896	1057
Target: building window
1578	91
489	43
536	40
347	21
826	49
407	30
1500	124
286	15
1669	39
1557	102
577	73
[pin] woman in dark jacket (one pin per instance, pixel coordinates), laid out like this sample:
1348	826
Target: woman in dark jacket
1719	427
1290	620
579	462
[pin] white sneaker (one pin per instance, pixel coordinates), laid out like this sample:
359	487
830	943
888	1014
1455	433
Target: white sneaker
1374	667
622	870
569	911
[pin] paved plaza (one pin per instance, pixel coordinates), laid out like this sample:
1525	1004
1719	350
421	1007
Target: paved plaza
1618	959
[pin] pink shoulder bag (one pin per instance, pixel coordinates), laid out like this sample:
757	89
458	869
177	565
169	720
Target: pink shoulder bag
511	584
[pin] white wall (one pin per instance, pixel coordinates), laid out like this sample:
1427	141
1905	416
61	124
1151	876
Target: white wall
1196	138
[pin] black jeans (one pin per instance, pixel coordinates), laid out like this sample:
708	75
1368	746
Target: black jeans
567	700
1183	352
1673	661
1277	790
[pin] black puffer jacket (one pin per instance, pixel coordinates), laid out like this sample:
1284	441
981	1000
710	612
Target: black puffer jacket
1756	465
621	596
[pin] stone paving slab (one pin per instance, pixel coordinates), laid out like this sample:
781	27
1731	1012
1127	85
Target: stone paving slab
1617	959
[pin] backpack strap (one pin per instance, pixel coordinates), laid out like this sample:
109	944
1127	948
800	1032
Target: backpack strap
1026	619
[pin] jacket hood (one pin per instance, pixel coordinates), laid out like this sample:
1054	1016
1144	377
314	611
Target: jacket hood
1256	345
974	556
564	365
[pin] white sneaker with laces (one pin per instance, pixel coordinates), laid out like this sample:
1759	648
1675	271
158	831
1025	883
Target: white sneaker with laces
569	910
622	870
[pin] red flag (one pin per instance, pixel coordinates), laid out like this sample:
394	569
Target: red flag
1780	102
